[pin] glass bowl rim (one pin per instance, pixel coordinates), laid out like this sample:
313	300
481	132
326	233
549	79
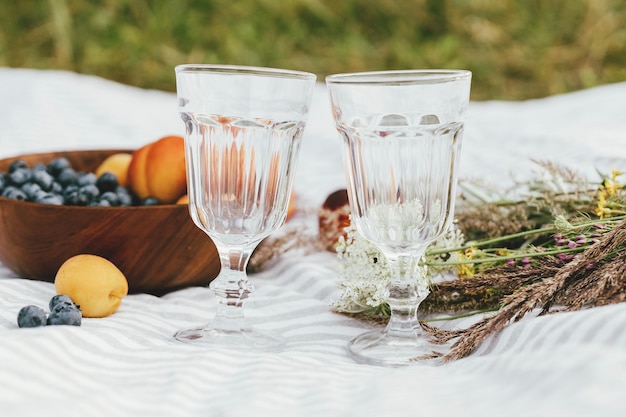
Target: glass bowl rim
400	77
243	70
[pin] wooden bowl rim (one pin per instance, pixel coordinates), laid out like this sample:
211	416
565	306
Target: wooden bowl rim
72	151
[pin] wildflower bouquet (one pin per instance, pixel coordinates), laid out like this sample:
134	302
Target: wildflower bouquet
554	239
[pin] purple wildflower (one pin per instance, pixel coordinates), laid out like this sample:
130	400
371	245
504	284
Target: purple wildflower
565	257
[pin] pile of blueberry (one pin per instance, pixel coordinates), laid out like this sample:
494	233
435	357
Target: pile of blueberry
58	183
62	311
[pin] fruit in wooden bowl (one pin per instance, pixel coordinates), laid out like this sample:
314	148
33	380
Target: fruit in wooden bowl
158	170
158	248
117	164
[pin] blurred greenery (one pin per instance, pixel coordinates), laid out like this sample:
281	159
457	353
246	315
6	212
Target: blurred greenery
517	49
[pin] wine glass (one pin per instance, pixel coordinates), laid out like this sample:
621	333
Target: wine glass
402	133
242	140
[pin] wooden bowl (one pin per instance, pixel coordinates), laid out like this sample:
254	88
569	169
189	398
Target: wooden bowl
158	248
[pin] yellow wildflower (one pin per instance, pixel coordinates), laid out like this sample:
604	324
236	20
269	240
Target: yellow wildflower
615	173
601	207
466	269
608	188
611	185
502	252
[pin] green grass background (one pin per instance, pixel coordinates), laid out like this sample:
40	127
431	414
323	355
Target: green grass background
517	49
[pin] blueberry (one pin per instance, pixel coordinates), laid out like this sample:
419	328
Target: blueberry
31	316
111	197
124	196
56	188
31	189
70	189
107	182
20	176
14	193
48	198
39	166
61	298
100	203
3	180
67	177
74	198
56	166
90	191
17	164
43	179
86	178
150	201
65	313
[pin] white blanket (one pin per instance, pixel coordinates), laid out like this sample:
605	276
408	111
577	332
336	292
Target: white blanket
570	364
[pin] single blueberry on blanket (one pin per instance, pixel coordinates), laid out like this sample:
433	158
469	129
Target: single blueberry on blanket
31	316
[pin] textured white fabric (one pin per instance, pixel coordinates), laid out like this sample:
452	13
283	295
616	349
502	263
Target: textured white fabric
570	364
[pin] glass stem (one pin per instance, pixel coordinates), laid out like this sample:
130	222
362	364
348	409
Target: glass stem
407	289
232	287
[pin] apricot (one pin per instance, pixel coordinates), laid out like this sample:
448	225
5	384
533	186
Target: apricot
183	200
137	180
92	282
158	170
116	164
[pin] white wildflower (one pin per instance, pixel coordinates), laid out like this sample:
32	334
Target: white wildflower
364	275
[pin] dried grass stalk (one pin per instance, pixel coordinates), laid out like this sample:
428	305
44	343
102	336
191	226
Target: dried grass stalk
270	249
595	277
486	290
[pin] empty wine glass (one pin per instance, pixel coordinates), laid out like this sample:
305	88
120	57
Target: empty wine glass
401	134
243	132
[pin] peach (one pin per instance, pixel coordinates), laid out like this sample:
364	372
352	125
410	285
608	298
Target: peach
116	164
137	180
158	170
92	282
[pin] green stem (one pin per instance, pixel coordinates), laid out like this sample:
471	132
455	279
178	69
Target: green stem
486	242
506	258
551	229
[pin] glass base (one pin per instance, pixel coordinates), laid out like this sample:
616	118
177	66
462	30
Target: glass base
244	339
379	347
